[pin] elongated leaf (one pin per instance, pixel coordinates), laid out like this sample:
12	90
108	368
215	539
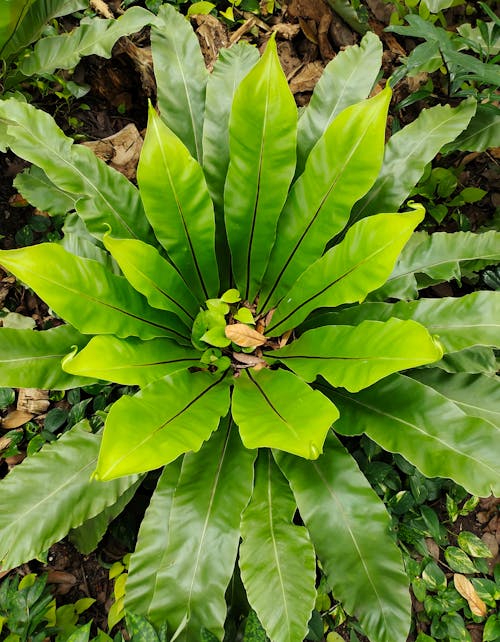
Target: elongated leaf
175	414
11	17
39	13
408	152
350	270
103	195
475	394
262	148
430	431
360	558
86	537
478	360
52	492
213	488
93	36
346	80
229	70
460	323
85	294
130	361
277	560
154	277
146	569
79	241
181	76
435	258
36	188
356	357
483	131
340	169
30	359
273	409
172	181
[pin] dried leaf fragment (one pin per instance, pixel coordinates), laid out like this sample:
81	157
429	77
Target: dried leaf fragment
15	419
466	589
244	336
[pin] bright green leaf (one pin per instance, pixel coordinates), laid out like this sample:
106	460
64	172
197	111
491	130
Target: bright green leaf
334	500
277	559
176	414
356	357
273	408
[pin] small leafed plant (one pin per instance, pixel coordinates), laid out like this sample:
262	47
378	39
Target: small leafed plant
230	287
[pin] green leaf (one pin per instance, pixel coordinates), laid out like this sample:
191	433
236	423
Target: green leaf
154	277
350	270
408	152
38	190
81	634
356	357
78	240
30	359
144	592
458	322
273	409
140	627
86	295
477	395
176	414
476	360
253	629
430	431
31	17
277	560
213	488
86	537
262	148
103	195
338	172
11	16
229	70
171	181
482	132
459	561
434	258
491	631
93	36
334	499
52	492
7	395
346	80
130	361
216	337
472	545
433	577
244	316
181	77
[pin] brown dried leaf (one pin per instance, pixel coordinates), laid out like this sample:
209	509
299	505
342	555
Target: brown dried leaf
432	547
121	150
33	400
247	359
60	577
99	6
466	589
244	336
15	419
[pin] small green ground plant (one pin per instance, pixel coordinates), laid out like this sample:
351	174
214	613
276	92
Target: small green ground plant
32	49
241	288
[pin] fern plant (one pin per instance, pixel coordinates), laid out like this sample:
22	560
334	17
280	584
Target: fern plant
241	287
